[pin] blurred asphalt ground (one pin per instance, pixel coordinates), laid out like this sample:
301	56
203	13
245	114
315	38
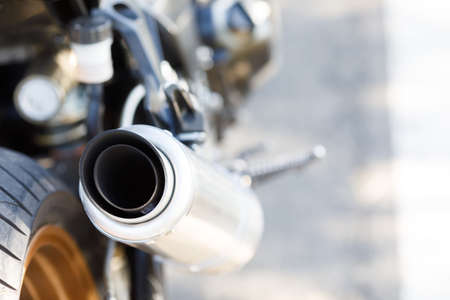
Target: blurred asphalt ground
330	231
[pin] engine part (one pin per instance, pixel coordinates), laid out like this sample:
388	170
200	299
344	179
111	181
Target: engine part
235	24
41	94
142	187
131	105
240	34
188	124
60	135
94	118
132	22
91	40
139	32
68	125
183	109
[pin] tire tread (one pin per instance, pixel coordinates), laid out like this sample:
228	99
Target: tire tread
20	180
11	223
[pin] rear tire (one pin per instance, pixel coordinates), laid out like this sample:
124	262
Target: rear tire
32	199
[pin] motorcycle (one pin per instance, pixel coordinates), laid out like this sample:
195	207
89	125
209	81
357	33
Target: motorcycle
112	113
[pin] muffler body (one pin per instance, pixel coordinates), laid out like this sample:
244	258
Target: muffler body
142	187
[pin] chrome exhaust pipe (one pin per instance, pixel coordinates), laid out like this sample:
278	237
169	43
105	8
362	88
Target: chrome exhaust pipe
142	187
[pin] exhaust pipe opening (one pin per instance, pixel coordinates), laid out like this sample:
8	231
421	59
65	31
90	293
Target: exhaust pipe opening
125	177
142	187
123	174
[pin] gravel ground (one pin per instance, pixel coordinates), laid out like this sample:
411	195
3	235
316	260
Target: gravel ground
331	234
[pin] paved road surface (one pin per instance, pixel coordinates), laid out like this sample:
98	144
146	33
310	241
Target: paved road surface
330	230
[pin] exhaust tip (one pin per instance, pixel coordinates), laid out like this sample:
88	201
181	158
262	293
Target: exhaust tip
125	177
123	174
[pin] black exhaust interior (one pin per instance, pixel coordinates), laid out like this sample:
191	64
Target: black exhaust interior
122	173
125	177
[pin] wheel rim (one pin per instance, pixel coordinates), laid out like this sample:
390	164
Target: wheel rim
55	268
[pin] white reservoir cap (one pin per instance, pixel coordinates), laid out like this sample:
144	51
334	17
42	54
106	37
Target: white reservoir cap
91	40
94	61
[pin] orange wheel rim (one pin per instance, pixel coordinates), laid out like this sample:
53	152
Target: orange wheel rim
55	268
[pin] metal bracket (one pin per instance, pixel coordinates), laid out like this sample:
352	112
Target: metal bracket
186	113
136	27
175	107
